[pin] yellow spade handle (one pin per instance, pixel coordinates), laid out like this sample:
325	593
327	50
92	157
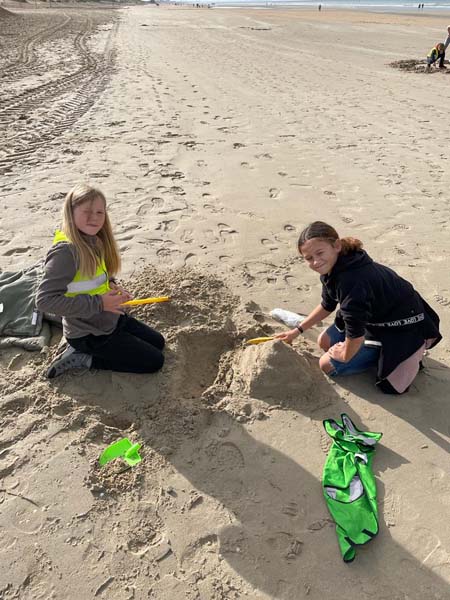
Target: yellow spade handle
137	302
260	340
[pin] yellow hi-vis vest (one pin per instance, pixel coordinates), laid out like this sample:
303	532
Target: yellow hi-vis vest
433	53
99	284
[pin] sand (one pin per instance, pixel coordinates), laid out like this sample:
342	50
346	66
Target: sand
217	135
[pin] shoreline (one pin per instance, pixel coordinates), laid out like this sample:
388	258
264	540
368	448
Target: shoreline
310	7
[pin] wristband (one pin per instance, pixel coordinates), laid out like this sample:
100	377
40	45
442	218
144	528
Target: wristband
299	328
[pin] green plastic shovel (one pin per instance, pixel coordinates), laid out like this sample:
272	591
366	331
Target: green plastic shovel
121	449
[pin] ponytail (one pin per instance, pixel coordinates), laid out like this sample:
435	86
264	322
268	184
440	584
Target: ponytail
323	231
350	244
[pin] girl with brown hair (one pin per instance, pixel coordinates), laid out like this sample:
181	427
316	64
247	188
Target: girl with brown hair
382	321
79	286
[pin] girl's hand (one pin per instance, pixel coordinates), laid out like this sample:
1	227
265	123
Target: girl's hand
117	288
112	302
288	336
337	352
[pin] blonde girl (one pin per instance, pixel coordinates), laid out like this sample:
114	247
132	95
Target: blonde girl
79	286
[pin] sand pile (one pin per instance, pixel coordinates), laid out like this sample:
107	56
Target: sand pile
52	432
273	372
413	65
4	14
207	363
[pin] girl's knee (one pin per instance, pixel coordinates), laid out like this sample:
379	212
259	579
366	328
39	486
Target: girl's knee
159	341
157	362
163	344
324	341
325	364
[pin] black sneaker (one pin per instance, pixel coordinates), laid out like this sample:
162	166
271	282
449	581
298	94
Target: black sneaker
69	359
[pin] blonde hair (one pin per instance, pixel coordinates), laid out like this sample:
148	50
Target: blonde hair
106	247
323	231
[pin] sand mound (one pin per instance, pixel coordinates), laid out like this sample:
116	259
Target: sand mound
210	379
205	326
207	364
273	372
413	65
4	14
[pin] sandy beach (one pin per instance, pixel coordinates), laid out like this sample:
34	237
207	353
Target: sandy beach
217	136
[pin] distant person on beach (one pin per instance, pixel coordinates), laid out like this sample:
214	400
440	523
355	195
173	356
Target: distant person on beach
437	53
382	321
320	7
78	285
447	41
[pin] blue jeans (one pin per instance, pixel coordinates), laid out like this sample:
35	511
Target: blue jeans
366	357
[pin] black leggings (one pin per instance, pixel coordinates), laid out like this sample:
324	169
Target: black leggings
131	348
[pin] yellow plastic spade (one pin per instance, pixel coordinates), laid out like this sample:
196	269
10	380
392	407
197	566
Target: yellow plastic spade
260	340
137	302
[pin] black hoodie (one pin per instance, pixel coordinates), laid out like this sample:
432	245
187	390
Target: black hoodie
377	303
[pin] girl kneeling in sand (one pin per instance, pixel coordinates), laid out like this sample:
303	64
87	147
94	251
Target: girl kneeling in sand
382	321
78	286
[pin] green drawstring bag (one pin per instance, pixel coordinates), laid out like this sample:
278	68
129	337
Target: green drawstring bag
349	485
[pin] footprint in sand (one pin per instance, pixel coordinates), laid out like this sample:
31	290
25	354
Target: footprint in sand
15	405
264	155
237	145
271	245
17	251
211	237
177	190
187	236
172	207
284	544
168	250
226	232
224	465
190	259
23	515
346	219
152	204
442	300
229	456
125	238
274	193
290	280
320	524
169	225
289	227
213	208
290	508
391	509
440	484
195	553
